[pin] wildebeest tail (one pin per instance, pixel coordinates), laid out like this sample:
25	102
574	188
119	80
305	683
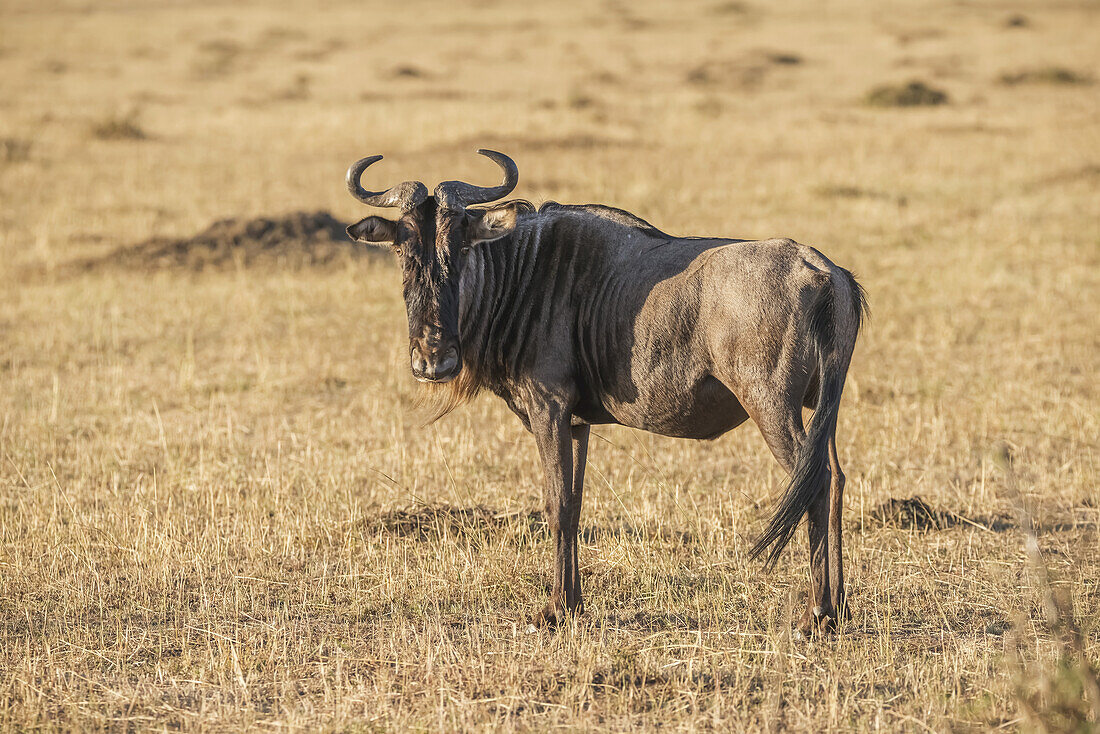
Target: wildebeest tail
810	476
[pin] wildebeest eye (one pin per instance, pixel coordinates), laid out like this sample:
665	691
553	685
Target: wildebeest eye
465	249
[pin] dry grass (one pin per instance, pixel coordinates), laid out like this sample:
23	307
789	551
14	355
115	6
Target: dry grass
218	513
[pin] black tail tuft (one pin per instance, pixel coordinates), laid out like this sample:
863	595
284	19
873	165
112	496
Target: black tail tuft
809	478
860	307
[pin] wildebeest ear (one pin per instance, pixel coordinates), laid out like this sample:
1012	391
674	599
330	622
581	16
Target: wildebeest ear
373	231
493	224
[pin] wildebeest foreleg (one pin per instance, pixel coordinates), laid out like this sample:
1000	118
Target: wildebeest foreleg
563	450
580	459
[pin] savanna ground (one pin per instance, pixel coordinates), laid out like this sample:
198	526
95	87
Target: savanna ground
218	510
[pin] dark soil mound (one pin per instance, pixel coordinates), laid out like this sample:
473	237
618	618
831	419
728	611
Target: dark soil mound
912	513
301	239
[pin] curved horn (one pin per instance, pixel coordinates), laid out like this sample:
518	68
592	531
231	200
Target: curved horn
458	195
405	195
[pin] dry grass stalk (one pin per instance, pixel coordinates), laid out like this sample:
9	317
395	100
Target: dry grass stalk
1065	697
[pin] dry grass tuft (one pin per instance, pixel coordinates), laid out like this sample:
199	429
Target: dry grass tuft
444	521
911	94
297	91
731	7
1046	75
746	74
119	127
709	106
408	71
579	100
848	191
14	150
1088	173
217	58
783	59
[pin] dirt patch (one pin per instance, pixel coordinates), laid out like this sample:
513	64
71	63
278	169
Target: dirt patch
434	521
913	94
301	239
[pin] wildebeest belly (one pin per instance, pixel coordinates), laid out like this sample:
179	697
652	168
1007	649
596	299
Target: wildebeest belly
703	408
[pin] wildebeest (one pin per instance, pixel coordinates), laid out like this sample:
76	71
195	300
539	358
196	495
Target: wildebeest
582	315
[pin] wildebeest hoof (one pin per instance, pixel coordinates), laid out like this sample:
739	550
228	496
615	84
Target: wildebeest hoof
817	622
548	618
553	615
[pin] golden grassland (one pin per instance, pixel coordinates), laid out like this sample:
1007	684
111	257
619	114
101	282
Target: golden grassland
218	511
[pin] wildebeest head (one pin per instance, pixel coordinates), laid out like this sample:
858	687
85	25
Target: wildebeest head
431	237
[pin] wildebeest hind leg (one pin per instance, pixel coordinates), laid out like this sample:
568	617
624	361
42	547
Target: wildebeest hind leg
781	426
836	557
820	614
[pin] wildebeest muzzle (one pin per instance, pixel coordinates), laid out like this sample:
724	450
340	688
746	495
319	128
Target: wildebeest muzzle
433	359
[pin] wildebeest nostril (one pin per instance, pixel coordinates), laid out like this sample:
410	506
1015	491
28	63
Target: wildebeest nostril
447	362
